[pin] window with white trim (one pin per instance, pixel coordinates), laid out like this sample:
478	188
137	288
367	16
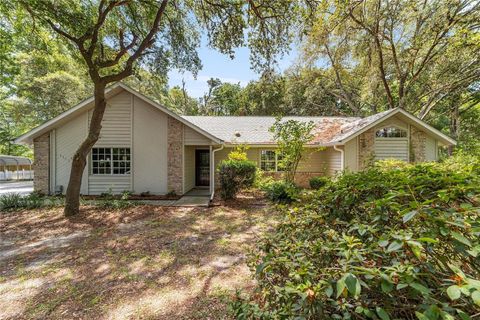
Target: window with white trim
391	132
111	161
269	160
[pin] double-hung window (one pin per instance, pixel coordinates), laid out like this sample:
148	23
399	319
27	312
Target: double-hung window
269	160
112	161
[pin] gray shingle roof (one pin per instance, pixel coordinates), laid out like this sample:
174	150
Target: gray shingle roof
255	130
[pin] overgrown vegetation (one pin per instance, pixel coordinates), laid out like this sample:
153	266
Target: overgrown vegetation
111	201
291	137
235	173
392	242
318	182
15	201
281	191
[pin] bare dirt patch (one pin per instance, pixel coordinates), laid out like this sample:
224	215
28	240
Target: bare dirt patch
144	262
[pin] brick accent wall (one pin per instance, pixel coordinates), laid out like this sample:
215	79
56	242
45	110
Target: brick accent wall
41	161
302	179
175	156
417	143
366	148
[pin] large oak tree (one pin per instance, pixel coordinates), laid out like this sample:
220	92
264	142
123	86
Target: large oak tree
114	37
398	53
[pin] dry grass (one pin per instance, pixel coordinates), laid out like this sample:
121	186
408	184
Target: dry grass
139	263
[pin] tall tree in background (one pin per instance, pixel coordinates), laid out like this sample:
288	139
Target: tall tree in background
408	53
112	37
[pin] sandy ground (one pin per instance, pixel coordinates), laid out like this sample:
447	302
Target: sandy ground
144	262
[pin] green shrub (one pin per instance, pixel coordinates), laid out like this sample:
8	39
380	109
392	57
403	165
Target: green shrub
281	191
235	175
262	179
11	201
114	202
386	243
318	182
15	201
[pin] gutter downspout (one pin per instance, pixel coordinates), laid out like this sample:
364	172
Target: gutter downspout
342	155
212	173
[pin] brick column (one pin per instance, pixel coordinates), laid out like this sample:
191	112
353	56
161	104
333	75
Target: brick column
417	143
175	156
366	148
41	154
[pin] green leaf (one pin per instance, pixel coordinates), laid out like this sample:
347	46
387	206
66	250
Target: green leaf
416	248
408	216
463	315
400	286
421	316
382	313
427	239
340	286
383	243
476	297
454	292
446	316
420	288
394	246
461	238
329	291
260	268
387	286
353	285
359	309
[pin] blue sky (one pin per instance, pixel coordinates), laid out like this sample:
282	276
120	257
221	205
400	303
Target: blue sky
217	65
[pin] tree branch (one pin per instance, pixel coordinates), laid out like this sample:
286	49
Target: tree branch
146	43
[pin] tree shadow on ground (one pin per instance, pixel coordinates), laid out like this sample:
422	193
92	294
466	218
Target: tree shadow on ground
142	262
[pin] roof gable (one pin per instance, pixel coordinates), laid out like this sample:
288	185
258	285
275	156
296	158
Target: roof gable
84	105
352	130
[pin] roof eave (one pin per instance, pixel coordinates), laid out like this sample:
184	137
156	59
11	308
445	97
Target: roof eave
446	139
27	138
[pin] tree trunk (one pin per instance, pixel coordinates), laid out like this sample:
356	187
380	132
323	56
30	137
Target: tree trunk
79	161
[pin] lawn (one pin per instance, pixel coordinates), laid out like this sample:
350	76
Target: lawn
137	263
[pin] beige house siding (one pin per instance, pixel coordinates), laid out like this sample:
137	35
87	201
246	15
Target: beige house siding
149	149
431	149
194	138
351	155
98	184
117	122
325	161
189	165
68	138
418	146
333	161
392	148
116	132
126	119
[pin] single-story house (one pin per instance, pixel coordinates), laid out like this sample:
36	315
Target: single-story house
144	147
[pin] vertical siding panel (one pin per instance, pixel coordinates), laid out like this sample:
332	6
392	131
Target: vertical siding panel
351	155
151	146
430	149
192	137
116	132
68	138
